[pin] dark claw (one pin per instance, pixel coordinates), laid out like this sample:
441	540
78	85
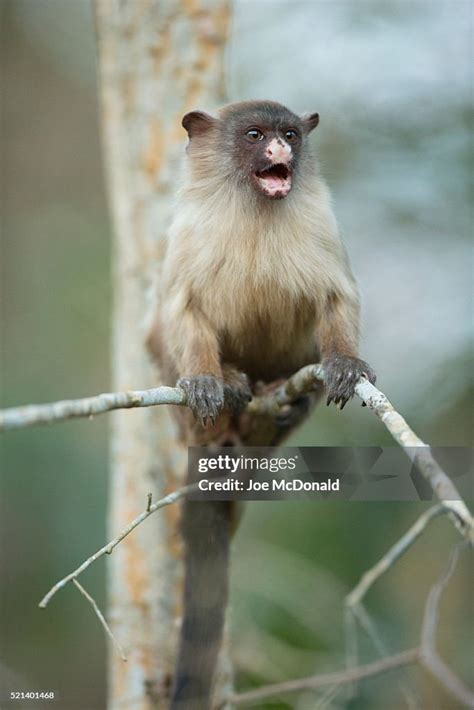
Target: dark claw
341	376
205	397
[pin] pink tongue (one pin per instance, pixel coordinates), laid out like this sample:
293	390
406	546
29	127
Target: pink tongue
273	181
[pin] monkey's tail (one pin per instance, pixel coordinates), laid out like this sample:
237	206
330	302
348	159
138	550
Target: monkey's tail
206	529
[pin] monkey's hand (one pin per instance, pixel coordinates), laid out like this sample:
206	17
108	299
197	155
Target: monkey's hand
341	374
205	396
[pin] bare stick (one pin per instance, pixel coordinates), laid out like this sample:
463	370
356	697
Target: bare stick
107	549
319	681
428	654
393	554
360	614
325	700
419	453
354	609
430	617
448	679
303	381
351	648
32	414
101	618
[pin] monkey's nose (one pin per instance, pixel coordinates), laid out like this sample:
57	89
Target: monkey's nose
278	152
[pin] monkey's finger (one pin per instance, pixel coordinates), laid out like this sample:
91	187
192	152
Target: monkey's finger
369	375
344	391
212	416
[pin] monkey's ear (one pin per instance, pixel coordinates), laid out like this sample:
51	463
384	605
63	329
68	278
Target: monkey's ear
197	123
310	121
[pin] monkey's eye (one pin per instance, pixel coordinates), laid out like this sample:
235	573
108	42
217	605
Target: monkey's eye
254	135
291	136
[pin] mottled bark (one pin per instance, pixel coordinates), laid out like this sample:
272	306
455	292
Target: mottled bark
157	60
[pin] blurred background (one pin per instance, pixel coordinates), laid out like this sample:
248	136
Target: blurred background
392	83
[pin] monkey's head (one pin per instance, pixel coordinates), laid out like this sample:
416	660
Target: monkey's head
258	142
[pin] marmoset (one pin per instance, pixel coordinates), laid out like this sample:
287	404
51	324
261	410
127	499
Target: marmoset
256	284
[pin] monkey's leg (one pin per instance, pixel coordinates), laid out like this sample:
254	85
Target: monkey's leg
337	339
292	415
237	390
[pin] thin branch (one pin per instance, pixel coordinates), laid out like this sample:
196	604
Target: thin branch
425	654
303	381
101	618
32	414
430	617
448	679
336	678
325	700
419	453
428	654
392	555
107	549
354	609
351	645
360	614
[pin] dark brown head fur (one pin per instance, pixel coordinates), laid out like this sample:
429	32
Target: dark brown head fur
263	140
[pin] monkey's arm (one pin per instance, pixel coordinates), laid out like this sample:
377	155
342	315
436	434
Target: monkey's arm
338	336
193	347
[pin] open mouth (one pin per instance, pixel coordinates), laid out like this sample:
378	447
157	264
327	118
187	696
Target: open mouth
274	181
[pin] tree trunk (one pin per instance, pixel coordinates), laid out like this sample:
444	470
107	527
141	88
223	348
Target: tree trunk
157	60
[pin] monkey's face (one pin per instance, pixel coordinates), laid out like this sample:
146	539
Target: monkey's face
259	142
270	157
267	140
